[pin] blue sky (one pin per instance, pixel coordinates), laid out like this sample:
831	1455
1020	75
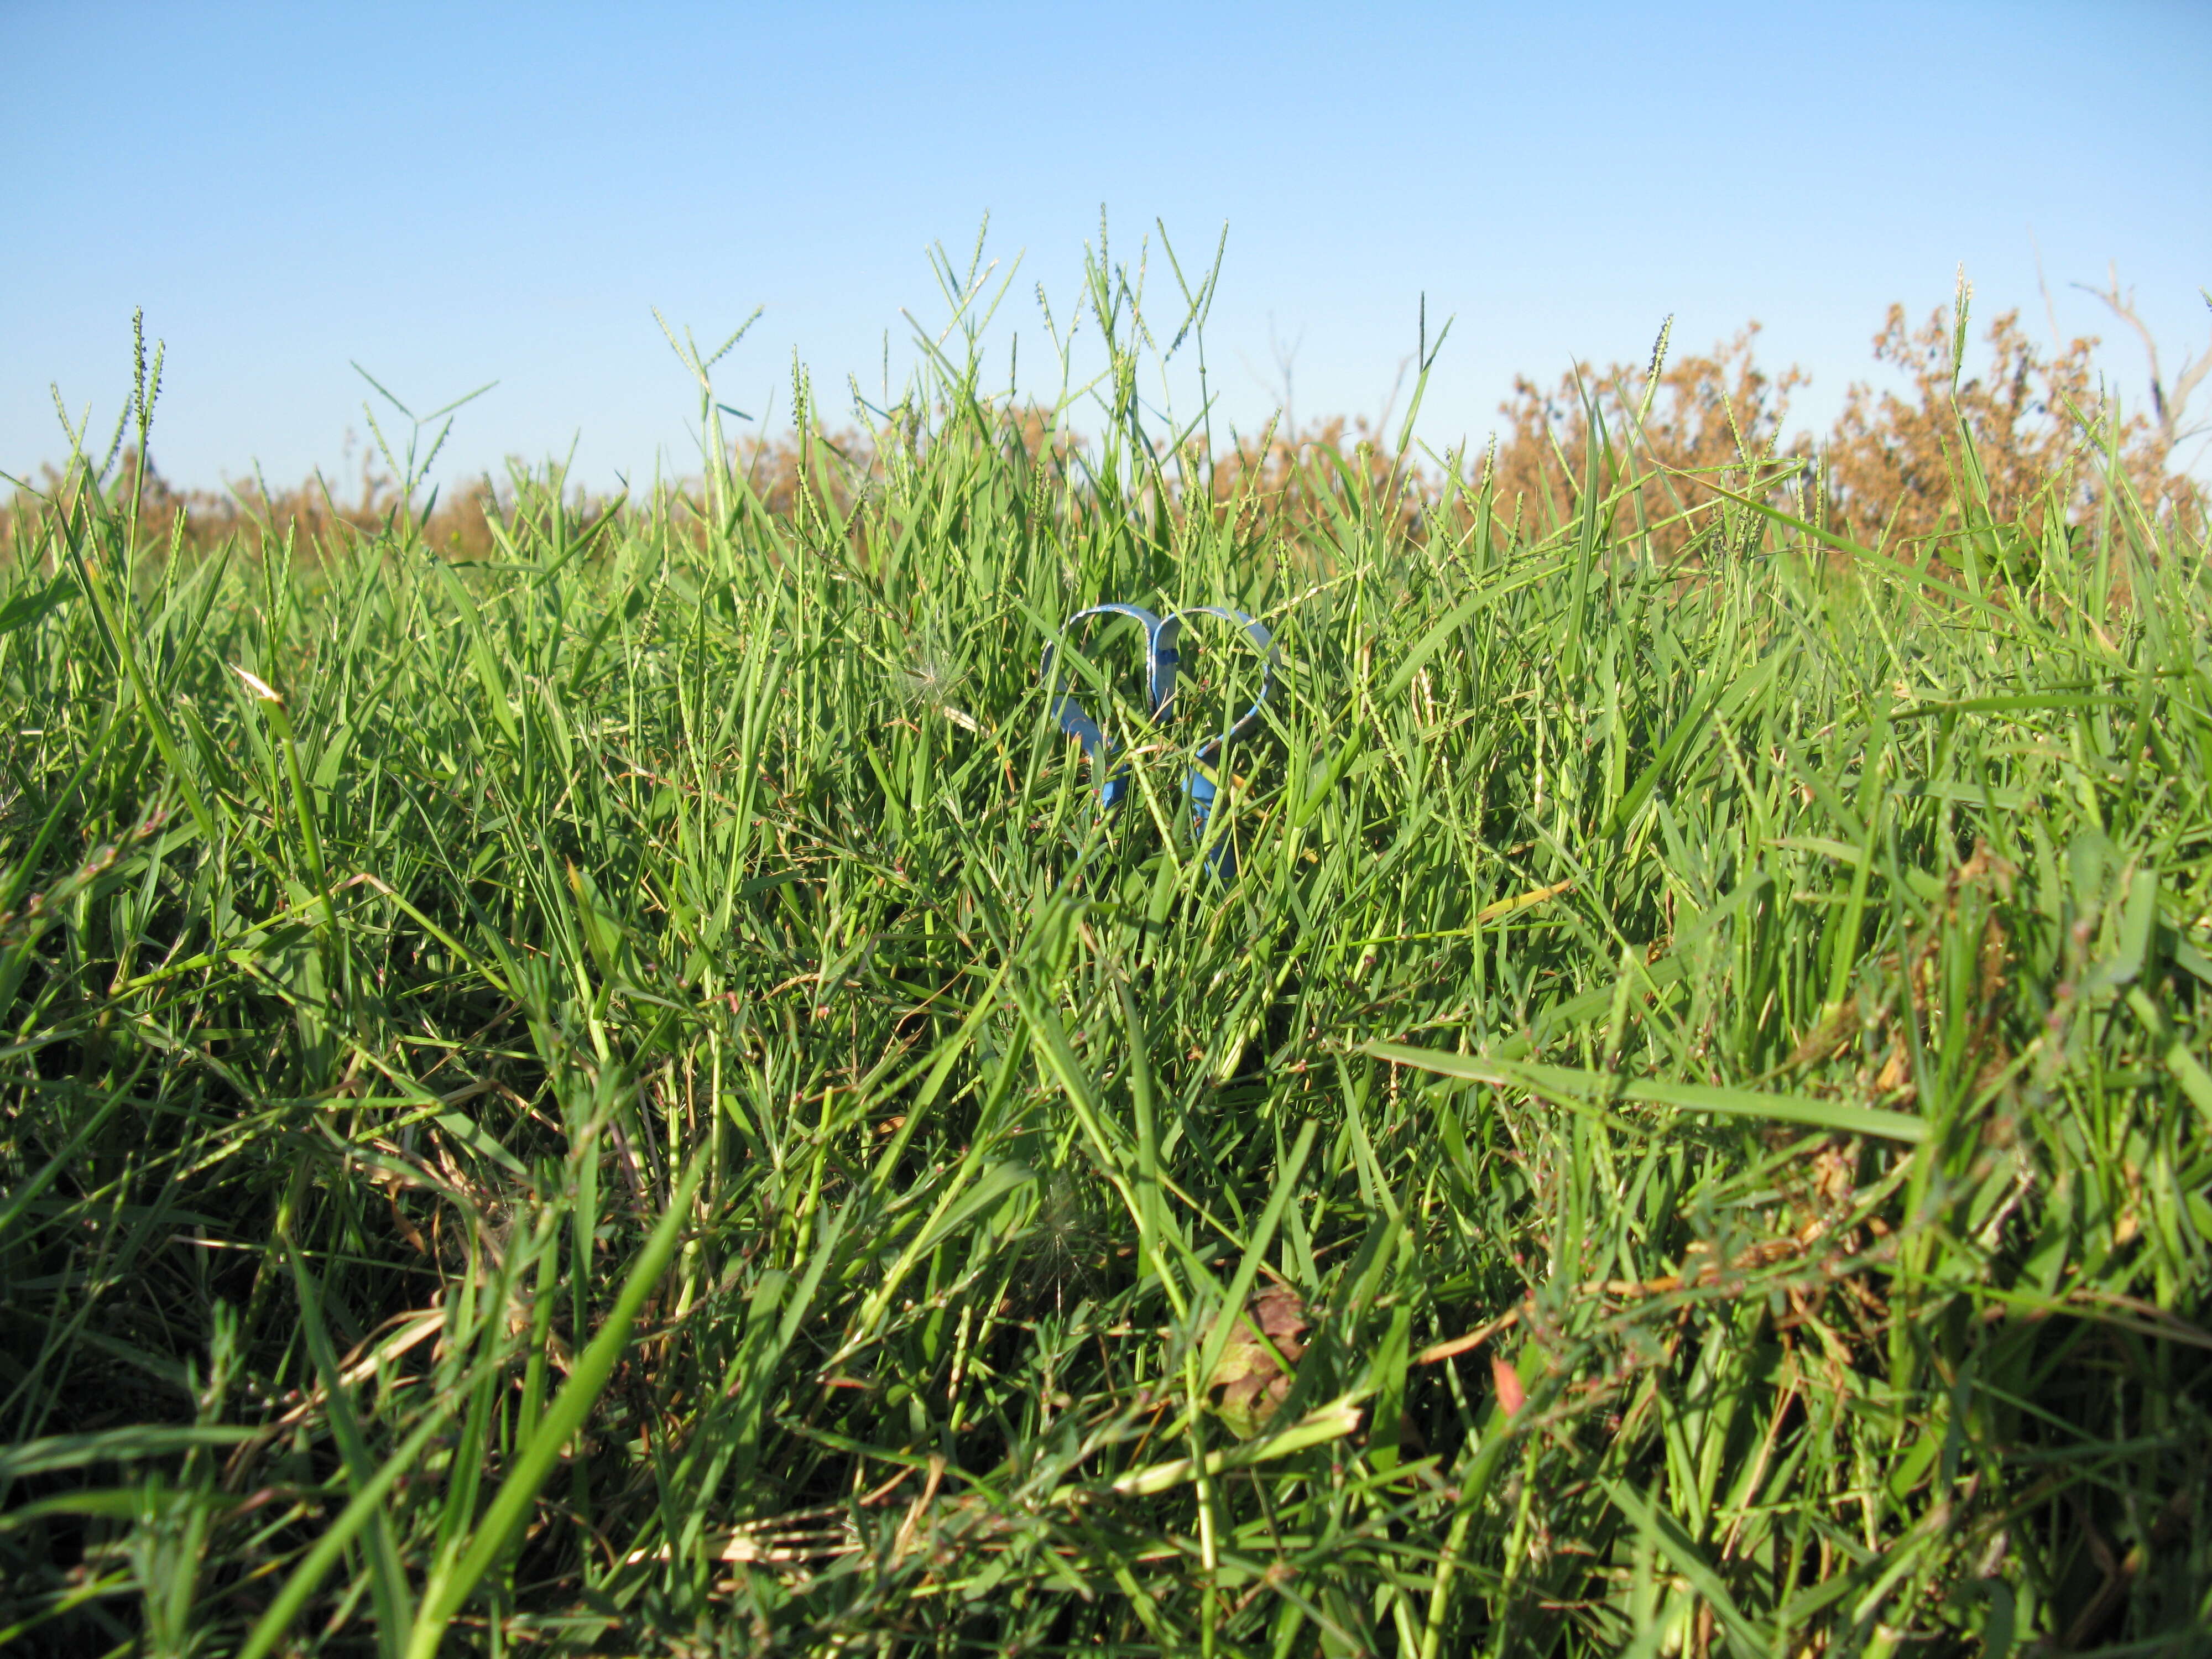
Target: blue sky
457	194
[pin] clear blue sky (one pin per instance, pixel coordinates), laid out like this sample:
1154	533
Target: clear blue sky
460	193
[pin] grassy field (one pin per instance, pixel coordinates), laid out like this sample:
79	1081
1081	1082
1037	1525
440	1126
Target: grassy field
626	1097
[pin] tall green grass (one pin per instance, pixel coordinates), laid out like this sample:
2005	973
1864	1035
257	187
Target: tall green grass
625	1096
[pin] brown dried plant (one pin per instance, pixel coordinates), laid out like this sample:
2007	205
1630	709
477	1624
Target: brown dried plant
311	514
1717	417
1899	464
2016	441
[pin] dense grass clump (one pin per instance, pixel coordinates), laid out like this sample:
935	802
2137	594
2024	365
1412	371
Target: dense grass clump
625	1097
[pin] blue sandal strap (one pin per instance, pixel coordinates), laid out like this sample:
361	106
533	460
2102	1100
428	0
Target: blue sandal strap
1162	663
1199	783
1075	719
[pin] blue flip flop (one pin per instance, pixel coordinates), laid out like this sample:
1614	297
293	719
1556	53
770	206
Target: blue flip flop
1163	660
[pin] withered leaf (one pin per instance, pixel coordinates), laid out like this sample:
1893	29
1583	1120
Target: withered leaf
1252	1384
1507	1380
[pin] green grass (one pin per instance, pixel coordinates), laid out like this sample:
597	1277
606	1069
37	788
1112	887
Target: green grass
631	1101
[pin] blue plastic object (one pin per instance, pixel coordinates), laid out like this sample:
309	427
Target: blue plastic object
1162	662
